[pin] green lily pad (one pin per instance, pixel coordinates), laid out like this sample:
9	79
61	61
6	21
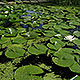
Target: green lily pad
21	30
19	40
28	73
56	41
30	35
75	68
14	51
76	33
51	46
49	33
2	32
2	16
63	57
77	42
4	40
38	49
46	26
10	32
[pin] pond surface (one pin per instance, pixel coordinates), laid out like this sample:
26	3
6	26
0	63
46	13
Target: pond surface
42	41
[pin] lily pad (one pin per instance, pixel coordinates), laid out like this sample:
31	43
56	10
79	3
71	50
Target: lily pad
38	49
75	68
76	33
19	40
49	33
4	40
77	42
63	57
28	73
10	32
14	51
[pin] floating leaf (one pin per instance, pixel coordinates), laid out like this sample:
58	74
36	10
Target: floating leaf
30	35
4	40
63	57
28	73
14	51
2	32
77	42
51	46
76	33
49	33
40	49
19	40
75	68
56	43
20	30
46	26
10	32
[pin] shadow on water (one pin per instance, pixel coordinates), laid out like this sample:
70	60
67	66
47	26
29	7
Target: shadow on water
4	59
34	60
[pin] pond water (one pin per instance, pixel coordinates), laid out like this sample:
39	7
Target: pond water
43	37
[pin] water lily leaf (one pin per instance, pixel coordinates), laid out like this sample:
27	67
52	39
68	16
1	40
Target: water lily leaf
63	57
51	46
28	73
19	40
12	20
33	50
29	24
10	32
14	51
63	32
53	39
45	26
74	22
77	42
51	51
2	16
4	40
77	51
40	49
49	33
68	27
76	33
64	61
30	35
35	25
20	30
75	67
2	32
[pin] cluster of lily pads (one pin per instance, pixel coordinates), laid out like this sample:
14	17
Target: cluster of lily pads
36	30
